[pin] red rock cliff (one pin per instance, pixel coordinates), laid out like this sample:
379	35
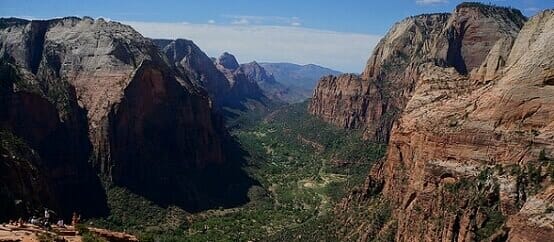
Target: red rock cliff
375	100
465	152
123	109
470	156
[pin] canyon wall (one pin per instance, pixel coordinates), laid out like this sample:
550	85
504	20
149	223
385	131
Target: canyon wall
373	100
95	97
470	154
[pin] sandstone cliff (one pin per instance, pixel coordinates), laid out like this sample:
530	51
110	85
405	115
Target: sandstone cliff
466	153
375	100
97	93
471	155
191	61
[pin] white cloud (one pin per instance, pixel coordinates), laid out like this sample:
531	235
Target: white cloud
263	20
241	21
431	2
342	51
211	21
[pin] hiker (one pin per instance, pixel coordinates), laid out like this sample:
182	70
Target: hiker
34	220
20	222
75	219
47	215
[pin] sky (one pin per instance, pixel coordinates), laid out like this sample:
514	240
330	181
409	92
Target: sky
339	34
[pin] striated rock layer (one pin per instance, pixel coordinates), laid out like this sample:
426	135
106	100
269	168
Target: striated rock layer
471	156
466	152
95	93
376	98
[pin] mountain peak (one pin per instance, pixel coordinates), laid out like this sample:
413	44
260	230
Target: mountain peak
228	61
492	10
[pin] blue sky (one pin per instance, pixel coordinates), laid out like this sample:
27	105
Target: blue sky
338	34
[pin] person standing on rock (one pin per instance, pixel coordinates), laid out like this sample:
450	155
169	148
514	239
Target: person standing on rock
75	219
46	215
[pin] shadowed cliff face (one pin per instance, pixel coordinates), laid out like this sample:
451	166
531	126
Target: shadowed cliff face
107	99
462	40
46	160
191	61
244	88
163	147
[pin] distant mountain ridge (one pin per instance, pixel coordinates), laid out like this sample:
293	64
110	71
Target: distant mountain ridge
223	78
294	75
279	82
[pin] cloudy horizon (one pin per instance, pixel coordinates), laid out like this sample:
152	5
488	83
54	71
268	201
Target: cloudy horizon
345	52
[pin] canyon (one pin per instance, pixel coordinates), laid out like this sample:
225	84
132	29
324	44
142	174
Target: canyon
446	135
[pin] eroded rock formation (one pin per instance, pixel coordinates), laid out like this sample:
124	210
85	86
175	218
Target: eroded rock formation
471	155
466	152
462	40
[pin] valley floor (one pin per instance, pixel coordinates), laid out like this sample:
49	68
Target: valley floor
303	166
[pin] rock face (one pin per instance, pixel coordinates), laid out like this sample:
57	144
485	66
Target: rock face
191	61
228	83
44	159
471	155
457	130
270	87
243	83
95	93
461	40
